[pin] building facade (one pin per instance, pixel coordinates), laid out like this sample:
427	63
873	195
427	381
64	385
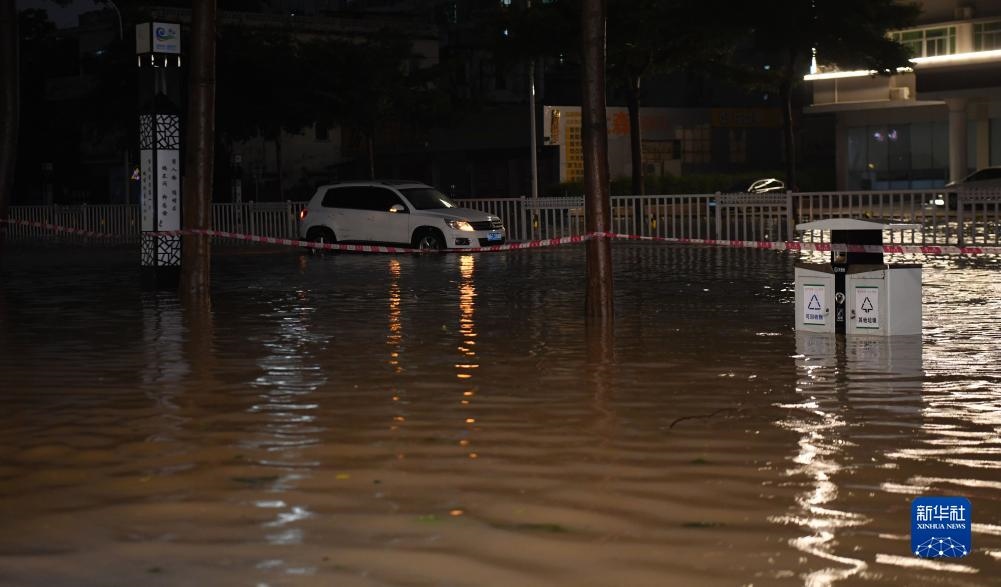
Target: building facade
928	124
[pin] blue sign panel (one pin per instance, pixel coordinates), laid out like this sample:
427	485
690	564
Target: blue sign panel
941	527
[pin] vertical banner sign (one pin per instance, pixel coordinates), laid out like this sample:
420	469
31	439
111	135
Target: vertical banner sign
866	307
168	152
941	527
147	177
159	154
814	305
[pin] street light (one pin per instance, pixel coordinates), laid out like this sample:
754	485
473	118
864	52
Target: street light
125	153
118	13
534	147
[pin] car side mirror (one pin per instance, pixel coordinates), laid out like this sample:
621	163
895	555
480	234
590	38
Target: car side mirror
397	208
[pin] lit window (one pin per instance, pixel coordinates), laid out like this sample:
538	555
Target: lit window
987	36
928	42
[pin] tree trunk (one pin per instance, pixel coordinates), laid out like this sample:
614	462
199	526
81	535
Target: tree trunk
371	154
278	165
200	162
533	162
789	129
635	133
594	130
9	107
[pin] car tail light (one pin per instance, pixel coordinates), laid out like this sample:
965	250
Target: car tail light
303	213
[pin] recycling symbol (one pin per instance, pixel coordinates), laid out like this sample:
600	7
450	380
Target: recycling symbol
814	303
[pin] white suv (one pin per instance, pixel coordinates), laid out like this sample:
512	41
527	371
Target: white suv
395	213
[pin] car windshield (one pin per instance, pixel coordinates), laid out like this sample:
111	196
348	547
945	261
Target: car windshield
427	199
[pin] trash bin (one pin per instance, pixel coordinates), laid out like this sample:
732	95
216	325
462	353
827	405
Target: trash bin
857	293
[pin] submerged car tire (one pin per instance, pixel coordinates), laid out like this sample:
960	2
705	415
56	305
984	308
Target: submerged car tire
429	239
320	234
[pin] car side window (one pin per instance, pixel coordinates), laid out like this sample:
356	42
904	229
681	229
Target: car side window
381	199
334	197
343	197
351	197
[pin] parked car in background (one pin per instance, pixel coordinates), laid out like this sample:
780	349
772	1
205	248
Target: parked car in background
765	185
759	186
986	178
397	213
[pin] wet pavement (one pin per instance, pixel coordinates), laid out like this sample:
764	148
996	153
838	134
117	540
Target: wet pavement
401	420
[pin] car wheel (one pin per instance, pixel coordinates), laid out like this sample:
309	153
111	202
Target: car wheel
429	240
320	235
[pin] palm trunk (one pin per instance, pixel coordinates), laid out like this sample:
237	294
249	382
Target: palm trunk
594	130
9	107
200	162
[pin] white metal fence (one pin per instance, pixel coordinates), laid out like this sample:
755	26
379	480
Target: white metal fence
979	218
934	211
121	221
277	219
957	219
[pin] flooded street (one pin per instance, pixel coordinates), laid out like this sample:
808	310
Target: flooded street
402	420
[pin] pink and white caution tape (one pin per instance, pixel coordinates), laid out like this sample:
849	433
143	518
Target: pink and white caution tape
549	242
62	229
929	250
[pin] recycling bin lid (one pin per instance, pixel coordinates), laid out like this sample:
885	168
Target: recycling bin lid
855	224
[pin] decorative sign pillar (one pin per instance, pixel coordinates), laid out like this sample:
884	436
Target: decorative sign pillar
158	49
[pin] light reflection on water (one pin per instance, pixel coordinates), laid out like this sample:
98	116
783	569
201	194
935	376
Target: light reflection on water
376	420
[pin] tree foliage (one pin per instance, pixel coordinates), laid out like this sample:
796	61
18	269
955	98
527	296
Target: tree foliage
657	36
271	81
734	41
643	37
851	34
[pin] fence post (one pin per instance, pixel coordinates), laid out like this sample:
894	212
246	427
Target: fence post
289	220
719	217
960	221
526	220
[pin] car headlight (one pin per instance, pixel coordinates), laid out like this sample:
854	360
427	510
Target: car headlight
460	225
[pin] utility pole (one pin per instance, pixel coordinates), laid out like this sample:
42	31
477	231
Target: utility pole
125	152
594	135
196	265
9	106
531	107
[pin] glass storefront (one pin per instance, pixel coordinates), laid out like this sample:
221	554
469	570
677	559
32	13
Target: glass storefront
905	156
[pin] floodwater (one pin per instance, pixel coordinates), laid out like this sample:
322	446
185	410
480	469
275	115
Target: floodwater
399	420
